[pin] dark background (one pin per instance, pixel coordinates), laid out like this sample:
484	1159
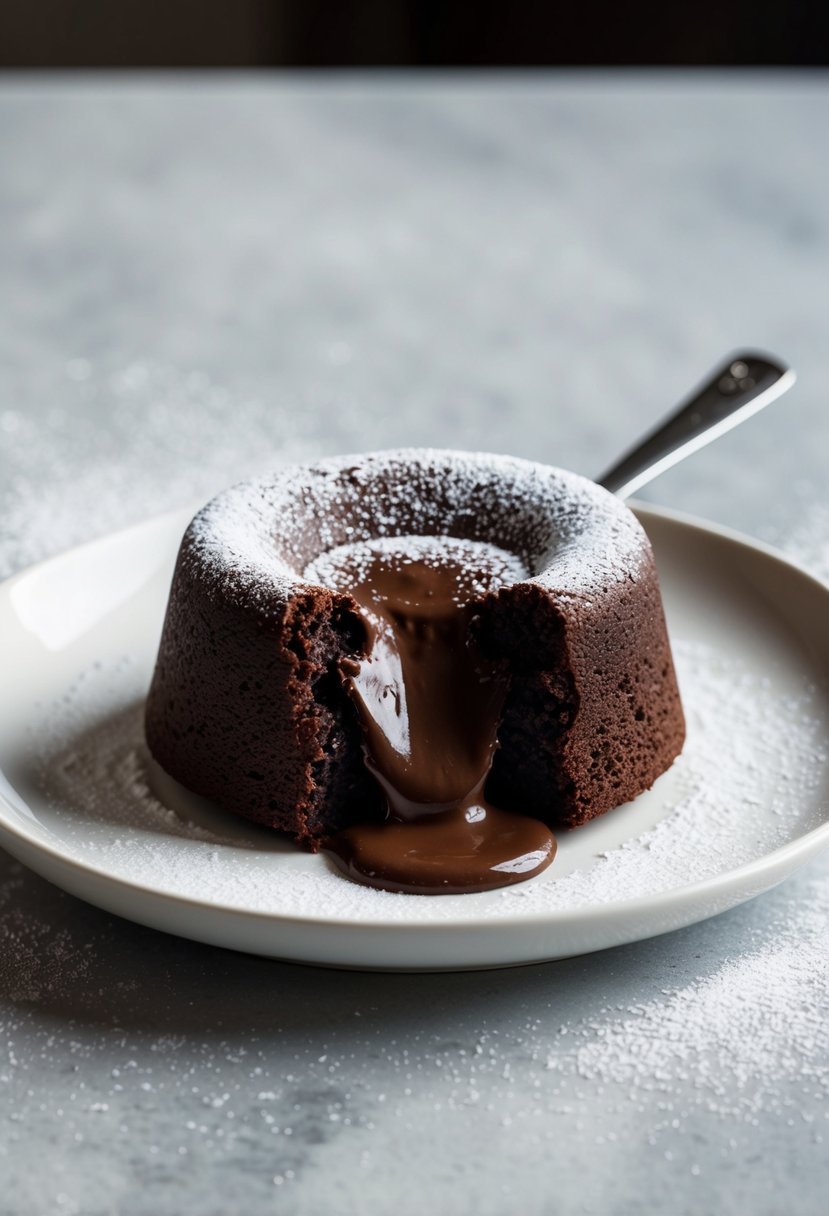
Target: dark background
417	33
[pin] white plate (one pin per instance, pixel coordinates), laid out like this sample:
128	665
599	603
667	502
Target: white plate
745	805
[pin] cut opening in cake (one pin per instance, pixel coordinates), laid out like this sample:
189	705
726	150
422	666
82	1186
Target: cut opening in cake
429	701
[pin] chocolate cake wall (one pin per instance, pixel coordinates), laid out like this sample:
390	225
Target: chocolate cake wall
246	707
592	717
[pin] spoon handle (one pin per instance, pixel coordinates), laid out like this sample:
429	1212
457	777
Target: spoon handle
739	388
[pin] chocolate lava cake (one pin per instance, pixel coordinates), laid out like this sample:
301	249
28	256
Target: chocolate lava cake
248	704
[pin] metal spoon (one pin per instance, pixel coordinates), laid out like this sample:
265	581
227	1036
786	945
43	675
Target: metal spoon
739	388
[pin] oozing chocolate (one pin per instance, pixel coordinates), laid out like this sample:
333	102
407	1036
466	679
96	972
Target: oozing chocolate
430	703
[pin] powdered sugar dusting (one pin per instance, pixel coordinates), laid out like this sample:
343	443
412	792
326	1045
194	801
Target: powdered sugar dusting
69	478
735	1034
743	787
573	536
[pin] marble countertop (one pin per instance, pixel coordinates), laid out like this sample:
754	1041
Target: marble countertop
202	276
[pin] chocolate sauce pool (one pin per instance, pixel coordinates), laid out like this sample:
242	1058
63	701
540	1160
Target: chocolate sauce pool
430	705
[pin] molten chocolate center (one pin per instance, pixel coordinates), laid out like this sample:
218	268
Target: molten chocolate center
430	704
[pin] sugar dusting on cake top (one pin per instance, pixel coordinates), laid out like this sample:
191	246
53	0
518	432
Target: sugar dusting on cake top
264	537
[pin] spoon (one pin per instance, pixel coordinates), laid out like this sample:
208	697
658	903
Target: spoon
737	389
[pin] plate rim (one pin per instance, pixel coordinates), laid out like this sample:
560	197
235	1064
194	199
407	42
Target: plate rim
785	857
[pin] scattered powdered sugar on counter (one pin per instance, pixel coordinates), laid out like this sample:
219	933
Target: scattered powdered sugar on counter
734	1034
738	791
171	435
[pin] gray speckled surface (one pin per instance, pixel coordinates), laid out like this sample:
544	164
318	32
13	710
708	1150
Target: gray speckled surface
203	276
